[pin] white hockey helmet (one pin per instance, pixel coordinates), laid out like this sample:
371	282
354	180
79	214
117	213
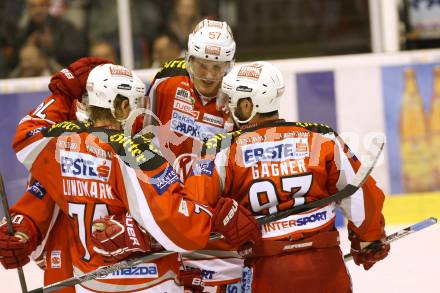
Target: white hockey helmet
107	81
260	81
212	40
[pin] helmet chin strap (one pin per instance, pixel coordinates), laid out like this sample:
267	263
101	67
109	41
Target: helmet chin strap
131	116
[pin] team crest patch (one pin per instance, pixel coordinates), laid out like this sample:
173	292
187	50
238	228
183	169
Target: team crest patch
37	189
35	131
203	167
55	259
162	181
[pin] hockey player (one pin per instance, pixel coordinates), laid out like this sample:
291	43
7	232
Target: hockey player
184	96
273	165
51	254
184	93
97	170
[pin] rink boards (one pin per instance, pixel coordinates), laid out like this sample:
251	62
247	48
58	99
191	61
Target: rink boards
358	95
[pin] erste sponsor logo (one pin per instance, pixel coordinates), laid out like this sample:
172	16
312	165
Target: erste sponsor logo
84	166
291	148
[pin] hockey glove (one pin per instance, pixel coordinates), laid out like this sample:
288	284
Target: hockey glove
15	250
191	280
235	223
364	256
71	82
118	236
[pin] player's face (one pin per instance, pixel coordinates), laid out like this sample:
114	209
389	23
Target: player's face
207	75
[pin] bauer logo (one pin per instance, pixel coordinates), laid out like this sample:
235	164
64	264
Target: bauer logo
164	179
124	86
145	270
291	148
84	166
243	88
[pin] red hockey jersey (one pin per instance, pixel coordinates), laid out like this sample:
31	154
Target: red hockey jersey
278	165
89	173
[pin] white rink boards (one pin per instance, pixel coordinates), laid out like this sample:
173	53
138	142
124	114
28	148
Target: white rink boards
412	266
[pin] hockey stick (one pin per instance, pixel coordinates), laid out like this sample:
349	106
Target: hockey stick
101	272
358	180
11	229
402	233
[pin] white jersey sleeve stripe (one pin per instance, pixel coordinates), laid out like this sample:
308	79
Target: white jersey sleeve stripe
28	154
40	248
140	210
152	95
353	207
221	160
